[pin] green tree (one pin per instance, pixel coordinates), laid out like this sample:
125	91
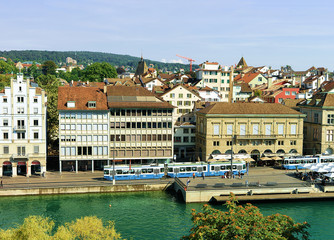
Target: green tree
50	84
6	68
257	93
40	228
244	222
34	71
96	72
49	67
4	81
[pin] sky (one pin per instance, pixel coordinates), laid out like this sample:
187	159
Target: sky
264	32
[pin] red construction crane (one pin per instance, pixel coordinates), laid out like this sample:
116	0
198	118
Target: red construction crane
190	61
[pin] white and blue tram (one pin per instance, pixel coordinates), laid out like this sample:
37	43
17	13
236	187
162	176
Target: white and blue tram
297	162
125	172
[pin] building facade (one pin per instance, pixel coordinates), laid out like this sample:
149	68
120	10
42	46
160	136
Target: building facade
23	128
252	128
319	123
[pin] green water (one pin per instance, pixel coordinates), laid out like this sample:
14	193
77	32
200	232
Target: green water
150	215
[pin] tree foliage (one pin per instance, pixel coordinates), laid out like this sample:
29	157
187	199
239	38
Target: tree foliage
96	72
4	81
244	222
41	228
50	84
49	67
7	67
257	93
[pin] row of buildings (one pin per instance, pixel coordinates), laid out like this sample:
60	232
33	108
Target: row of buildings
159	119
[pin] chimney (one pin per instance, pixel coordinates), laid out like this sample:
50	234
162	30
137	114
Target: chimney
72	83
293	81
230	94
105	89
270	81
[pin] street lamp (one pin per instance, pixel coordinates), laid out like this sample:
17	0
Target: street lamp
113	163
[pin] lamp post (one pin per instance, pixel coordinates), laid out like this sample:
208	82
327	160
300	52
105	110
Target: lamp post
113	163
232	155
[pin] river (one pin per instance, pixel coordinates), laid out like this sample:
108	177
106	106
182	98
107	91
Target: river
149	215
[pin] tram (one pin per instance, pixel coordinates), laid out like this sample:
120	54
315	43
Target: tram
297	162
136	172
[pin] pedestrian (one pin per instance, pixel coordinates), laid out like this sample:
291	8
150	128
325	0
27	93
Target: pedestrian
188	181
239	175
193	175
203	175
1	184
72	168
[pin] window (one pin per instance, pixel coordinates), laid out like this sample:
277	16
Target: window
185	139
36	122
180	95
177	139
188	95
35	135
243	129
5	122
216	129
255	129
329	136
316	117
185	130
268	129
21	135
280	129
293	142
229	129
293	129
4	100
21	151
5	135
35	100
20	110
330	118
172	95
35	110
6	150
5	110
179	103
287	93
268	142
280	143
20	99
315	134
229	143
215	143
293	93
36	149
92	104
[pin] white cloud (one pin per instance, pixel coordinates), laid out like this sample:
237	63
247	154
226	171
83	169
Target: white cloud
163	60
176	61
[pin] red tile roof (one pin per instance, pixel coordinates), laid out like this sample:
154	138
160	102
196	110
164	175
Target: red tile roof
247	78
81	96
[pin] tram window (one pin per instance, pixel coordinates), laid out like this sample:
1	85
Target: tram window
170	169
162	169
106	172
244	166
176	170
150	170
301	161
200	169
194	169
118	171
222	167
132	171
125	171
144	170
286	162
216	168
234	167
228	167
182	169
212	168
204	168
188	169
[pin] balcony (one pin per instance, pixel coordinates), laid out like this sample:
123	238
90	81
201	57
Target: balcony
258	136
20	128
20	156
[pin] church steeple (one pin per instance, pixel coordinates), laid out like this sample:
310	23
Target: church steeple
142	67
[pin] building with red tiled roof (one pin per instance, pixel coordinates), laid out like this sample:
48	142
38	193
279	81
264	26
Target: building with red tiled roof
252	79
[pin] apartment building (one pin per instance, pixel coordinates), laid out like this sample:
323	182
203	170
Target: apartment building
185	141
23	128
210	74
183	98
83	128
319	123
141	125
252	128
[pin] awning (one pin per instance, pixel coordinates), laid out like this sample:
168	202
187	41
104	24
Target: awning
249	160
265	159
7	163
21	163
35	163
276	158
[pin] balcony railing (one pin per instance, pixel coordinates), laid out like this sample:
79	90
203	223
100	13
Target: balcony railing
19	128
20	156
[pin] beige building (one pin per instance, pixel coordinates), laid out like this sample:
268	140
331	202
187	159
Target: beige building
23	128
252	128
319	123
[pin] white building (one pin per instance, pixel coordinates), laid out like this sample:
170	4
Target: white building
23	128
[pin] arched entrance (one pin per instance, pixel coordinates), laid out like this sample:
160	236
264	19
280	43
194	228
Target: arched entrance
293	151
267	151
228	152
255	154
216	152
329	151
35	167
7	169
280	151
242	151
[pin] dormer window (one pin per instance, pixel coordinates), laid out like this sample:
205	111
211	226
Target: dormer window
71	104
92	104
4	100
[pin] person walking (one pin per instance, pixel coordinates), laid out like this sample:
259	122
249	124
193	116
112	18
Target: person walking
203	176
1	184
193	175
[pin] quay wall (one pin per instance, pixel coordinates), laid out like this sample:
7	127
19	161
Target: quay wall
83	189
